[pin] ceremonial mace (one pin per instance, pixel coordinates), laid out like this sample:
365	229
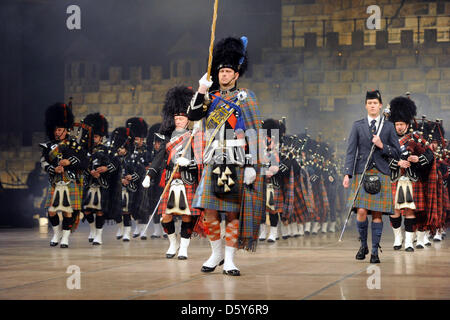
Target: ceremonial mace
196	128
386	113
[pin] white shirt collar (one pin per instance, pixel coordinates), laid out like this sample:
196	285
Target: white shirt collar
377	119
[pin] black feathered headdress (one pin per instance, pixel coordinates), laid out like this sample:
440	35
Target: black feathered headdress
122	137
271	124
229	53
98	123
58	115
176	103
402	110
138	127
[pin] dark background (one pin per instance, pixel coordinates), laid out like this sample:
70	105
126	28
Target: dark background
35	40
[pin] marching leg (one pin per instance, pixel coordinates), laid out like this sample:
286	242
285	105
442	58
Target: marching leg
169	228
186	231
67	225
217	255
90	219
229	268
396	227
99	222
127	227
57	230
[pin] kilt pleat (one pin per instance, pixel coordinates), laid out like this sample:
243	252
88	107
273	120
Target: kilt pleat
74	195
418	194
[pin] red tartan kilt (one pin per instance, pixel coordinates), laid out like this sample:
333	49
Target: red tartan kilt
418	195
300	207
446	199
278	200
190	192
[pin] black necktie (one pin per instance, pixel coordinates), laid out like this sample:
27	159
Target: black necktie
373	127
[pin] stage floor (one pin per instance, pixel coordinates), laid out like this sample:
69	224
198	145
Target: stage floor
313	267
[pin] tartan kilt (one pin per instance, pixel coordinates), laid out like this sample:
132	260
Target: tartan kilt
288	203
190	192
446	199
278	200
300	208
380	202
308	198
418	195
74	195
205	198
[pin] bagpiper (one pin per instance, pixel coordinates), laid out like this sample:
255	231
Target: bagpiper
141	157
97	181
409	175
229	181
182	151
63	159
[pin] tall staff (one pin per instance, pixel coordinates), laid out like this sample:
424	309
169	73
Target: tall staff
197	126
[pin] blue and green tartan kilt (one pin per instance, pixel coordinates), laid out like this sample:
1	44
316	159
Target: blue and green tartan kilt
205	198
74	195
380	202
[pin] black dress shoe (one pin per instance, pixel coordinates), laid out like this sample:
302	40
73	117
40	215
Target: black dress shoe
397	247
126	240
428	244
270	240
96	243
409	249
91	239
374	258
211	269
53	244
143	238
306	233
170	256
64	246
135	235
419	246
262	239
361	255
119	237
234	272
182	258
285	237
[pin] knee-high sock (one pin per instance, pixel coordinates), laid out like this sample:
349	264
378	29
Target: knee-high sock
67	223
362	229
377	230
396	222
186	229
231	235
273	219
90	218
99	221
213	228
410	225
127	220
54	220
169	227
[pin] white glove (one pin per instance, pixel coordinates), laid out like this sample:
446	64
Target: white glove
249	175
146	182
205	82
183	162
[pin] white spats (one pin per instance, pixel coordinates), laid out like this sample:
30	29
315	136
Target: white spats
57	234
182	252
143	228
137	231
229	259
65	239
438	236
333	226
217	254
316	227
98	237
284	231
273	234
119	233
324	227
262	232
126	233
301	230
308	228
409	238
173	246
420	244
92	232
398	238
